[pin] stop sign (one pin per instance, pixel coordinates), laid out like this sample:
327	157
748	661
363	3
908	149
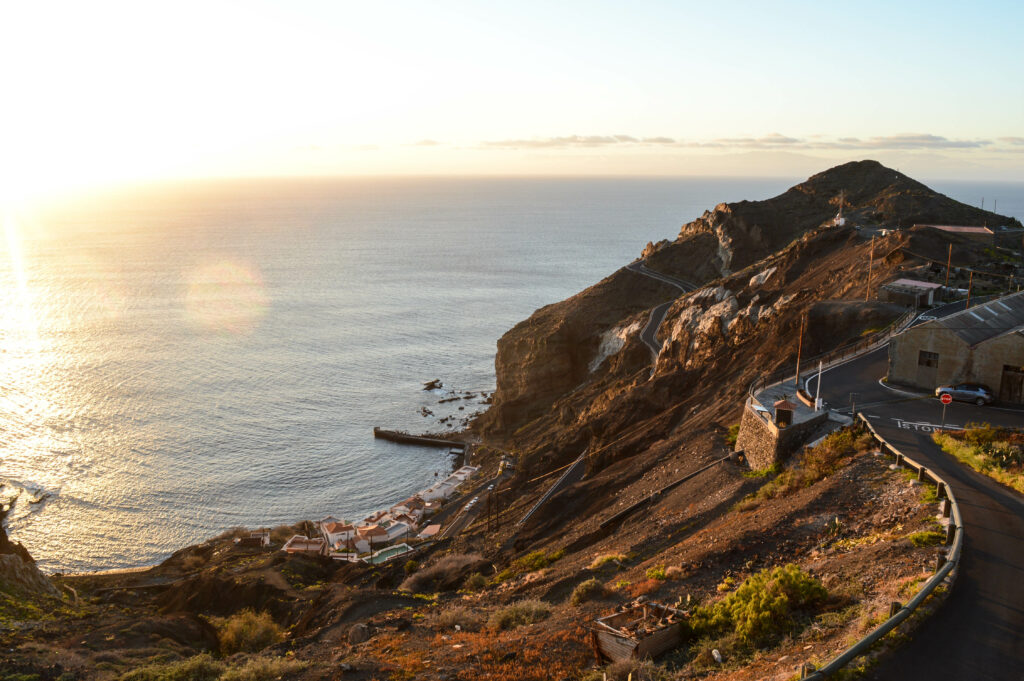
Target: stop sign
946	398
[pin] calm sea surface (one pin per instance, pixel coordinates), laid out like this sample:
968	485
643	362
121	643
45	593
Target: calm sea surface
182	360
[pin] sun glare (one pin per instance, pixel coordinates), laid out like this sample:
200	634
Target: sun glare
20	323
226	297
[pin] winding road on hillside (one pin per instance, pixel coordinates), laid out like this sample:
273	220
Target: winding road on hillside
649	335
978	633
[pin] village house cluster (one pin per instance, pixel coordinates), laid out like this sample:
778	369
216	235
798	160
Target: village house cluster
384	534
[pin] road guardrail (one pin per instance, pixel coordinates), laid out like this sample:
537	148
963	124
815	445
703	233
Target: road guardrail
946	565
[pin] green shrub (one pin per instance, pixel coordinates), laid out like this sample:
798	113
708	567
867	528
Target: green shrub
531	562
981	433
475	582
247	631
198	668
927	538
774	469
732	435
588	590
812	466
657	572
1001	459
264	669
411	566
518	614
762	608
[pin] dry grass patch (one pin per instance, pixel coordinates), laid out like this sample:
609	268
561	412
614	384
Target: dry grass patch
518	614
600	561
264	669
465	618
444	573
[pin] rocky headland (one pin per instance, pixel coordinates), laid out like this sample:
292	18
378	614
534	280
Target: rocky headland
505	599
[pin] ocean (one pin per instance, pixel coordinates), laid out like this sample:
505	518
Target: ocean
183	359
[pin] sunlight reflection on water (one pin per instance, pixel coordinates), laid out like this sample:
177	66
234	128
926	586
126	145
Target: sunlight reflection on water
176	363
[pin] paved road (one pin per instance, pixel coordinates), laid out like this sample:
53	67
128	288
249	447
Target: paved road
979	632
649	335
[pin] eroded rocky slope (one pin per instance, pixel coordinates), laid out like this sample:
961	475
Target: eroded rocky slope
764	263
577	378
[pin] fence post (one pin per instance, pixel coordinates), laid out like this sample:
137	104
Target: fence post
950	533
940	492
921	473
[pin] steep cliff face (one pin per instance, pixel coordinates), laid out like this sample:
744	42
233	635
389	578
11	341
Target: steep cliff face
561	345
577	369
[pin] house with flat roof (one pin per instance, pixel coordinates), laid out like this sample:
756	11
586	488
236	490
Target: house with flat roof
982	344
910	292
300	543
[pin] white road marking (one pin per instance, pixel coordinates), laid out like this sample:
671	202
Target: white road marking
882	383
925	427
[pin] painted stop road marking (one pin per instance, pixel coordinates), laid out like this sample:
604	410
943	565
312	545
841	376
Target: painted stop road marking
946	398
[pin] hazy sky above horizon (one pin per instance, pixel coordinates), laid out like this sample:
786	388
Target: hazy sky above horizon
112	91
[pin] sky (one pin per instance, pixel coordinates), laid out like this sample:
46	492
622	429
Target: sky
107	91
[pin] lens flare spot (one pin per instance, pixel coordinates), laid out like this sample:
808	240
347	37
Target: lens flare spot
227	297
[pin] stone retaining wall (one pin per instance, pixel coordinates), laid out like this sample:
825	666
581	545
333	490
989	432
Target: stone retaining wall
765	444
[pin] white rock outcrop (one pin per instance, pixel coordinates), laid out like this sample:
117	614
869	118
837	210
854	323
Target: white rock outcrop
760	278
612	341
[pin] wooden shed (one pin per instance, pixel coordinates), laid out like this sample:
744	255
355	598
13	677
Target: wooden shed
639	631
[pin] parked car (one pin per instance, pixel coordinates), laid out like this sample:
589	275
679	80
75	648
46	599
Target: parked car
967	392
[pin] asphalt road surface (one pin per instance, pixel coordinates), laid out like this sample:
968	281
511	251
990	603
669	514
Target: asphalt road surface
978	633
649	335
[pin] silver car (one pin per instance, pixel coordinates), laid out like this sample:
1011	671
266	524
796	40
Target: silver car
967	392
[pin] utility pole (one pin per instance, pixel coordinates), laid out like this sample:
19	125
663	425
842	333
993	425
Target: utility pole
970	285
871	264
949	262
799	351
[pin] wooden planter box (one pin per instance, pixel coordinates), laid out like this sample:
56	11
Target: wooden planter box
645	630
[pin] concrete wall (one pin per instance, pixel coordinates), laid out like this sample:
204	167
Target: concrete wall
904	351
990	356
764	444
957	361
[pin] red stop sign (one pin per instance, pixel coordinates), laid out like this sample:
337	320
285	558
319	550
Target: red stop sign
946	398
